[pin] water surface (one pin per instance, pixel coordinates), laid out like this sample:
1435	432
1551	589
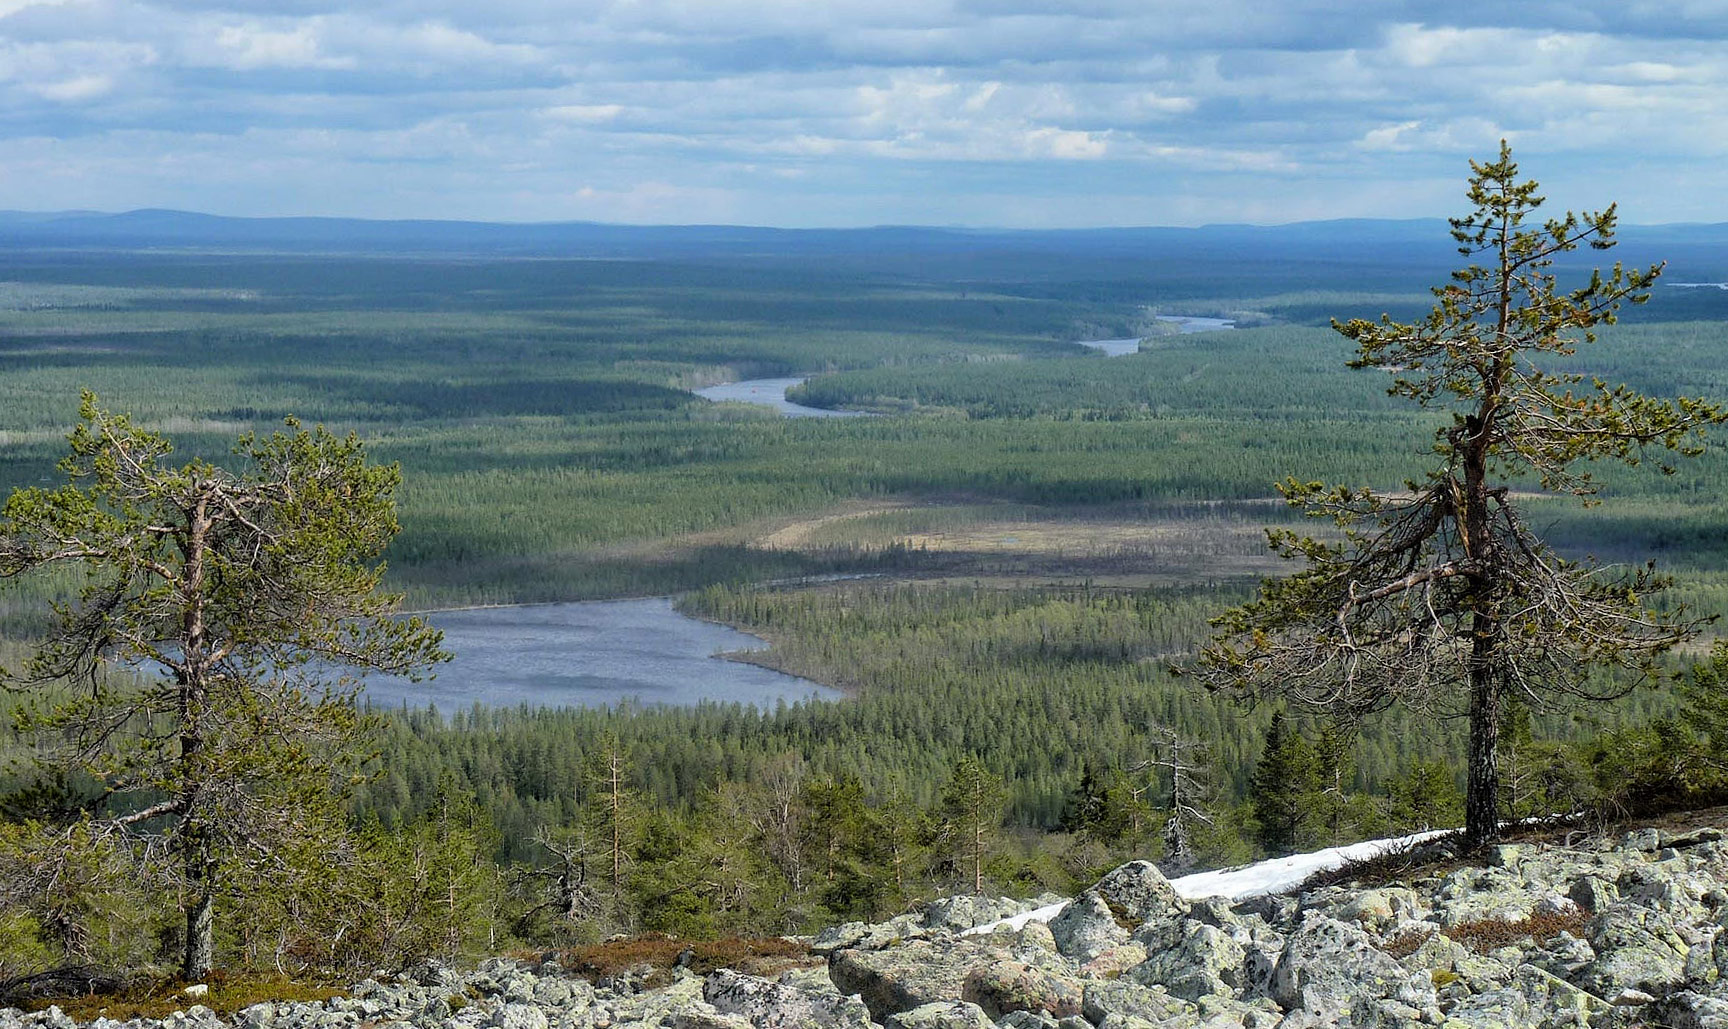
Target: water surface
1113	347
1189	323
591	654
771	393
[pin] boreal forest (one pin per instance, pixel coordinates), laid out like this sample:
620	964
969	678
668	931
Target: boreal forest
248	463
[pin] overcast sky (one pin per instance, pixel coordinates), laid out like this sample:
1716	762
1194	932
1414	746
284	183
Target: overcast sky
1033	113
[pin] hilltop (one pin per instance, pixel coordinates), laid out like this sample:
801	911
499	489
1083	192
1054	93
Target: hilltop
1569	931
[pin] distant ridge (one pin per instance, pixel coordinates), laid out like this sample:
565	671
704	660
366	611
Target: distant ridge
1415	241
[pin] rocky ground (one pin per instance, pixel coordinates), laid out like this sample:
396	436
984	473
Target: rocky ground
1606	934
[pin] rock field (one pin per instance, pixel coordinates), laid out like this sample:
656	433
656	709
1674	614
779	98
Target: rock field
1620	933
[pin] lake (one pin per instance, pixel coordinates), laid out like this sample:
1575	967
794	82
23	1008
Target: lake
591	654
770	393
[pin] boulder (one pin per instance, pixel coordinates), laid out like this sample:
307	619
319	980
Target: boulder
1087	928
517	1016
908	976
1328	965
964	912
1137	892
1001	987
1689	1010
1206	962
1632	953
770	1005
1125	999
956	1014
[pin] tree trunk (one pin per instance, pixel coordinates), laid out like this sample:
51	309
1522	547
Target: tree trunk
1482	791
200	952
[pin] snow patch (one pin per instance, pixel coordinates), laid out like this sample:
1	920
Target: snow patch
1276	875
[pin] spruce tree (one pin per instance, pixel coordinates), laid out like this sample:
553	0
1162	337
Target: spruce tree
1283	787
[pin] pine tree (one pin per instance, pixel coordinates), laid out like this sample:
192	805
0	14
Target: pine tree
972	805
1439	596
243	598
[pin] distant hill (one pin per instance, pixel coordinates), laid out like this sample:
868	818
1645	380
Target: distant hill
1696	252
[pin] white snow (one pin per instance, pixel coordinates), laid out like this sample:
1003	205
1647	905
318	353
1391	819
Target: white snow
1277	875
1280	875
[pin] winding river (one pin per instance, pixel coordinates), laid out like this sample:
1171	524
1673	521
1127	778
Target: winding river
772	392
591	654
603	652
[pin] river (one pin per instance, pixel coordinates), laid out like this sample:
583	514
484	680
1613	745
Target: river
591	654
771	393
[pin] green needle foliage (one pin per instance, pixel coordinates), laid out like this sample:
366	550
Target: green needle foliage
1441	593
198	682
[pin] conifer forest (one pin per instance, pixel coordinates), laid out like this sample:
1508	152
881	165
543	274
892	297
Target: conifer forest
244	479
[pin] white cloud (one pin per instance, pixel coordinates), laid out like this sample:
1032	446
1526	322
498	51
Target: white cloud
74	90
251	46
586	113
1305	107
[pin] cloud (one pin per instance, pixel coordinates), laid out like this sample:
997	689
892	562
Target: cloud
851	110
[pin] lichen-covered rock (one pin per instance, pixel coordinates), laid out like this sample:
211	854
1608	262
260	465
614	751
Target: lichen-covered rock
656	1007
1087	928
1592	893
1328	965
901	978
1632	952
1205	962
517	1016
1690	1010
860	936
956	1014
770	1005
1138	892
1001	987
1035	936
964	912
1114	961
1125	999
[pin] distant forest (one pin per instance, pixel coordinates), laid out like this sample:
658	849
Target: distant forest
535	388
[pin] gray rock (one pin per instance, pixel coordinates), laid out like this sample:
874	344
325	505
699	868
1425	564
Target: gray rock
1206	962
964	912
1001	987
1087	927
657	1007
956	1014
1592	893
1497	1009
1328	966
859	936
1632	953
1138	892
1036	936
770	1005
1125	999
1689	1010
698	1019
914	974
517	1016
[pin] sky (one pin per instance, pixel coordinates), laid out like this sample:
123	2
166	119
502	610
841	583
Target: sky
1007	113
